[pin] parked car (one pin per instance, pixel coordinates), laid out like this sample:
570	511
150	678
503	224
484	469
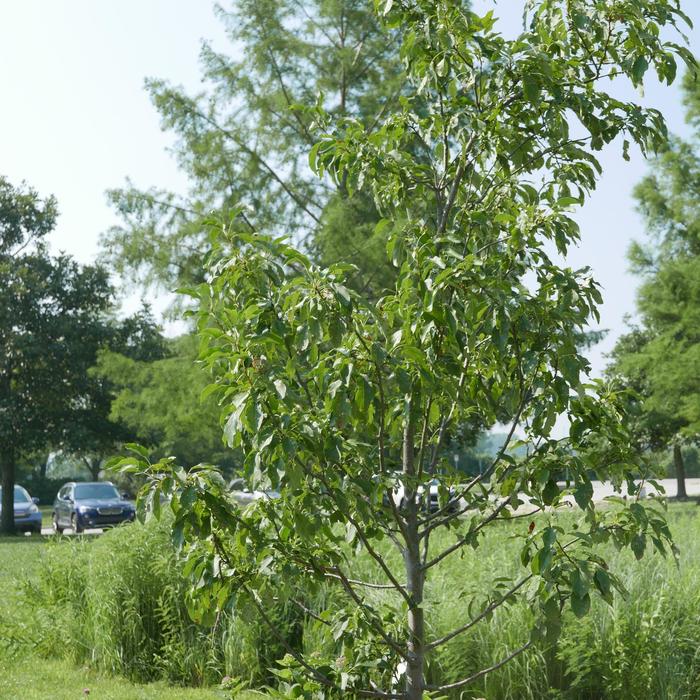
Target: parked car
27	515
432	502
90	504
243	495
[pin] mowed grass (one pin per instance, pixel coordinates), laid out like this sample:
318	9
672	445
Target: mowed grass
30	677
43	679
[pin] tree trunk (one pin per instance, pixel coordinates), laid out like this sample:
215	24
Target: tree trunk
415	680
7	465
93	466
43	466
680	471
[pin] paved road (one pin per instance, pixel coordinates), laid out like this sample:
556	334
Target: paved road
68	531
692	486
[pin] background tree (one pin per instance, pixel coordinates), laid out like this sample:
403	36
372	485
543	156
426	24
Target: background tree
660	358
338	401
48	308
95	432
245	140
159	403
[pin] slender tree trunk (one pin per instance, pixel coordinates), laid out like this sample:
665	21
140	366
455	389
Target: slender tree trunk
679	464
7	465
415	679
43	466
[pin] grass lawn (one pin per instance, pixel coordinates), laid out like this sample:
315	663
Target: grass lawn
46	515
40	679
33	678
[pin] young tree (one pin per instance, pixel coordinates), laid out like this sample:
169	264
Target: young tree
48	312
340	403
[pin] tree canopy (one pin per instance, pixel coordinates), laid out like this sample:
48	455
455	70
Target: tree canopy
245	141
157	401
50	310
341	403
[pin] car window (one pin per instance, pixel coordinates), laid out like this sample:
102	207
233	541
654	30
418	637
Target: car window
21	496
83	491
63	493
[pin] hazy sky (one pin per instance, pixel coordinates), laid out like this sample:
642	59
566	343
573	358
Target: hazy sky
76	120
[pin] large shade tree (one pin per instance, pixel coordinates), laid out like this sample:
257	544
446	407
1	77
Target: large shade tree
50	307
158	402
341	403
94	432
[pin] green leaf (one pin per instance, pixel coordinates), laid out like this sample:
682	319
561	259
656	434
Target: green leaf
602	582
638	545
281	388
531	88
138	449
541	561
639	69
583	494
580	604
549	536
550	493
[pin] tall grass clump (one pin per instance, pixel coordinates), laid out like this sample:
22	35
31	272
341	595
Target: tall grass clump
646	645
118	603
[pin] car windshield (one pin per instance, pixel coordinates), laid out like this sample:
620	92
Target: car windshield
83	491
21	496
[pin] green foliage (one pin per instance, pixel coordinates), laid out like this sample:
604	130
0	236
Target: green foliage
338	402
119	604
51	318
245	140
160	403
659	359
642	646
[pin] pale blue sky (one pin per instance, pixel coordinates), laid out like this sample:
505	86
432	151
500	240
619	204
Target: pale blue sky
76	121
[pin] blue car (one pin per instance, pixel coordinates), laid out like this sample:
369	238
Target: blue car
90	504
27	515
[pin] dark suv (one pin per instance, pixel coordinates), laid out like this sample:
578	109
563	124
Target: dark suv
81	505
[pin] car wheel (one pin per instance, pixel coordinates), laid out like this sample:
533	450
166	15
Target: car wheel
75	525
56	527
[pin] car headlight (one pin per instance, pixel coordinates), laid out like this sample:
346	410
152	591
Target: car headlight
33	508
86	510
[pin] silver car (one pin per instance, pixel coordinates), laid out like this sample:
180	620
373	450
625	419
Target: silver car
27	514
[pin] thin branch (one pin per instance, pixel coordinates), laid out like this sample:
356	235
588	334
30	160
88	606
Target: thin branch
463	540
330	573
480	674
309	612
377	625
487	611
367	544
251	152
